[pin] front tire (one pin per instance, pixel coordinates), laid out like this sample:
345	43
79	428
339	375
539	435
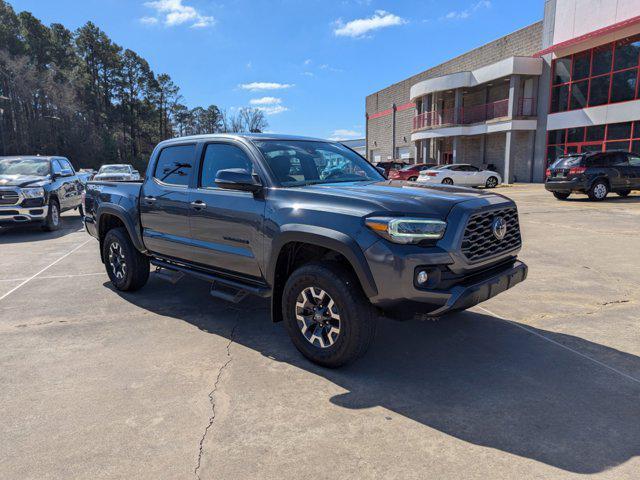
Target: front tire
447	181
598	191
492	182
561	195
327	316
52	222
128	269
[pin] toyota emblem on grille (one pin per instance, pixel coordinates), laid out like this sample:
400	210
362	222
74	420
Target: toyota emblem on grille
499	227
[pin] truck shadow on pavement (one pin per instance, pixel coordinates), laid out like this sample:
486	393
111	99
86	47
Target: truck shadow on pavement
474	377
22	233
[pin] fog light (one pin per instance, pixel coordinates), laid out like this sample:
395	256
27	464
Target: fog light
422	277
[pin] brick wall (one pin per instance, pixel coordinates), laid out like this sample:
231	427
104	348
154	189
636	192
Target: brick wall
523	42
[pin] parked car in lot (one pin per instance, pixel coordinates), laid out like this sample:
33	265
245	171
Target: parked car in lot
594	174
461	174
257	214
38	189
409	172
388	166
117	173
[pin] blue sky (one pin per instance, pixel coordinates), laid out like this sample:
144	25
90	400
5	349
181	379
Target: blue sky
308	63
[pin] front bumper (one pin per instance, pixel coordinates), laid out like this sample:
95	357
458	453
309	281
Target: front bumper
16	214
464	294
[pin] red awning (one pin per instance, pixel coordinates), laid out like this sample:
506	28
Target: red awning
588	36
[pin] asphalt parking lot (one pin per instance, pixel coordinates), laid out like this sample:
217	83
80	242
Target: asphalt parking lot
542	381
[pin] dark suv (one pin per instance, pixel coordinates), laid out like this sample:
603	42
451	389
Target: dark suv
595	174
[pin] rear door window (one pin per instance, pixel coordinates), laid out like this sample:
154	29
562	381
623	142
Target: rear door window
619	160
568	162
175	165
634	160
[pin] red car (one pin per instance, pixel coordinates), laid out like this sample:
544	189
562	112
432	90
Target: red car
409	172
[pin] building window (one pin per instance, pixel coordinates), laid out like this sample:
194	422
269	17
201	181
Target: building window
597	138
599	76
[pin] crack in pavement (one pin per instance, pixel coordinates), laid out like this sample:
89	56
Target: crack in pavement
212	397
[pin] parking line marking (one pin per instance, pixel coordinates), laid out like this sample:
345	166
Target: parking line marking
49	277
43	270
533	332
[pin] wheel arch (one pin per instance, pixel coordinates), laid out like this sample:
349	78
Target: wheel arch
113	216
328	240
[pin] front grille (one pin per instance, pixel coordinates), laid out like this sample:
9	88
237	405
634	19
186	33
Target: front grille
8	197
479	242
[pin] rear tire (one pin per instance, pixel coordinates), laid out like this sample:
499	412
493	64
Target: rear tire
561	195
492	182
447	181
624	193
320	298
598	191
413	179
52	222
128	269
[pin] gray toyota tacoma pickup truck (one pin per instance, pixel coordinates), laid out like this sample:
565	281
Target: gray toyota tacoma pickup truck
311	225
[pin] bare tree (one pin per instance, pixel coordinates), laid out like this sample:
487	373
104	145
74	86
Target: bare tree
253	120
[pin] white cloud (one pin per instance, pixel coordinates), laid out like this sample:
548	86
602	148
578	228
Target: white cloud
308	74
149	20
361	26
345	134
254	86
174	13
273	109
265	101
307	61
466	13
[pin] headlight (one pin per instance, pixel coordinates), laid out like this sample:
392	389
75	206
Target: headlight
407	230
36	192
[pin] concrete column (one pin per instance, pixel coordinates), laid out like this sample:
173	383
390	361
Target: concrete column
483	149
457	118
515	93
457	106
393	132
366	137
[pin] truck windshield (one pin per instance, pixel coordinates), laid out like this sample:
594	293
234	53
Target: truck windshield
24	166
300	162
114	169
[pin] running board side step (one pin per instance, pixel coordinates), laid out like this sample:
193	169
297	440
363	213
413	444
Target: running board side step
223	288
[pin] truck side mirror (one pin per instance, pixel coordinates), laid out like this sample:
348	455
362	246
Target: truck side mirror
237	179
382	171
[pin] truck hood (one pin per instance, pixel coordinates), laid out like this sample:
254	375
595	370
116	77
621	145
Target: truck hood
22	180
398	196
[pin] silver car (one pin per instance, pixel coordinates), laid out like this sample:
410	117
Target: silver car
117	173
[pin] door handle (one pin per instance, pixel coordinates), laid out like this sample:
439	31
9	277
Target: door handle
149	199
198	205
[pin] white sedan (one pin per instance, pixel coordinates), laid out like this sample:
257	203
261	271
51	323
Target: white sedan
117	173
460	174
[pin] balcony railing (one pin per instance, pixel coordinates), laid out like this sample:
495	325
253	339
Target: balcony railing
472	114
